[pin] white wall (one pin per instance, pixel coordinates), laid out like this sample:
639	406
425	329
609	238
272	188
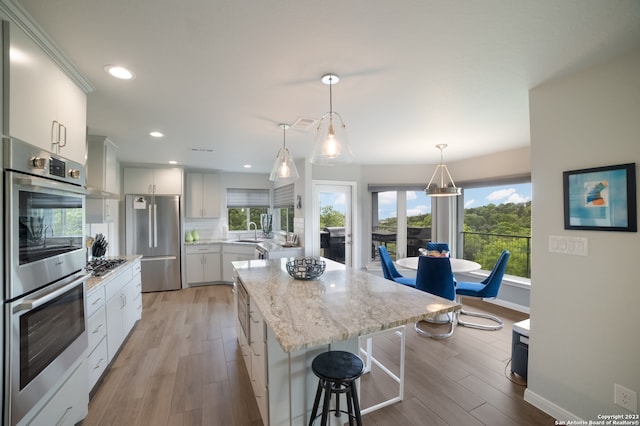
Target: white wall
584	310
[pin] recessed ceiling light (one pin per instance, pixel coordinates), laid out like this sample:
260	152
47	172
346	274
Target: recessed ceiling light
156	134
119	72
173	162
247	166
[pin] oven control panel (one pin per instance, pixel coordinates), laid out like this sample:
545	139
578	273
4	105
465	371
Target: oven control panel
57	167
30	159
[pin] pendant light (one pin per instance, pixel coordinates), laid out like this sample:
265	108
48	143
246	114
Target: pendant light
443	189
284	168
331	147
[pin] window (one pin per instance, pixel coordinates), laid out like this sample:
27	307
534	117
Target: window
497	217
401	220
283	202
245	206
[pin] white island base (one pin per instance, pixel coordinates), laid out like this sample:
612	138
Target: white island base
292	385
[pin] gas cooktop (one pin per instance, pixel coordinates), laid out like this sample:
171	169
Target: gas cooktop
100	267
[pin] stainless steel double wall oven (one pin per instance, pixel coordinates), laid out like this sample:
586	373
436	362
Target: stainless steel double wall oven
44	292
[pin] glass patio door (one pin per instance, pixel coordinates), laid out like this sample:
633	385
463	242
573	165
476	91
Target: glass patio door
333	222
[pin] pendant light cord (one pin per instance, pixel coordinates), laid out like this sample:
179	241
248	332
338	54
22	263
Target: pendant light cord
330	95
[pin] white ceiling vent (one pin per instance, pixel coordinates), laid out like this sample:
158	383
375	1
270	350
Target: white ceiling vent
304	123
201	149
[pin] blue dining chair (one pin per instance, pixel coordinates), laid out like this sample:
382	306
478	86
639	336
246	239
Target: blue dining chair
435	276
389	269
487	289
438	246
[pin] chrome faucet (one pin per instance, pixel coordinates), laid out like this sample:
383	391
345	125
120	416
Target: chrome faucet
44	234
255	230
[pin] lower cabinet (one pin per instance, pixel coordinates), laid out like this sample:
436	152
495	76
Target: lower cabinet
258	356
232	252
113	308
69	405
203	263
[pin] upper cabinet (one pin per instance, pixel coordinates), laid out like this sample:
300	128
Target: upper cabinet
203	195
166	181
102	165
46	108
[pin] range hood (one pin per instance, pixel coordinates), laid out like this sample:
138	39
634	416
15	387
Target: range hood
102	168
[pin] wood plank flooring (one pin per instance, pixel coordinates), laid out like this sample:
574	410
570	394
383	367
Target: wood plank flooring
181	366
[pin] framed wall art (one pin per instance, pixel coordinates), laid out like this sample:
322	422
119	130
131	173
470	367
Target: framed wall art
601	198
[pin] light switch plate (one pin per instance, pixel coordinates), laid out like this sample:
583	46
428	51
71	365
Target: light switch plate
576	246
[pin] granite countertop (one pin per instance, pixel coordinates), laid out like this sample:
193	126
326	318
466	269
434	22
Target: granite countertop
204	242
94	282
343	303
268	244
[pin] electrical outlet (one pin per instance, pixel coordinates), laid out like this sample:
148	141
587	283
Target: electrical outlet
625	398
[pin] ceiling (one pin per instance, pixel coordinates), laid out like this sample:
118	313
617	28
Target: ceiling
220	75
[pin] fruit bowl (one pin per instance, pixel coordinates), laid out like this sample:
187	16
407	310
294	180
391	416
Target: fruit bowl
306	268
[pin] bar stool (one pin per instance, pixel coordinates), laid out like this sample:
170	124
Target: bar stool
337	371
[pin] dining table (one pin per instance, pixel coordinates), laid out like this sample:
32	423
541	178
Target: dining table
457	265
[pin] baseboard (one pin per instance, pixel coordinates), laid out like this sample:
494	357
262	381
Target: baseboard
509	305
549	407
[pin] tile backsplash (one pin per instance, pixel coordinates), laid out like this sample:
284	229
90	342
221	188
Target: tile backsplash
212	229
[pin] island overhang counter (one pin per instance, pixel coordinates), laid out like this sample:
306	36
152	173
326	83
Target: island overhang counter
291	321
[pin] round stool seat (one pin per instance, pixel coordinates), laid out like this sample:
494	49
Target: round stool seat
337	366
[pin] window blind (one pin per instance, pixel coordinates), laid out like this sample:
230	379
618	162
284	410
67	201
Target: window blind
283	197
243	198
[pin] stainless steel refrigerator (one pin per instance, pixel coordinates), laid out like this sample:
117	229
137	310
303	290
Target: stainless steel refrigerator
152	230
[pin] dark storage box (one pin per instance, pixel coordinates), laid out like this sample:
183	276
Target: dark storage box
520	348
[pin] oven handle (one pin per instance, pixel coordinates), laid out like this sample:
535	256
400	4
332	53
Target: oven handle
29	304
36	183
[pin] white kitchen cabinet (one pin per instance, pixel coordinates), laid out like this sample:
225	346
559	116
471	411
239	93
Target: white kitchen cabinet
203	195
101	210
232	252
102	164
258	372
112	310
97	333
102	181
254	353
165	181
97	327
47	108
97	363
203	263
133	300
120	307
69	405
115	322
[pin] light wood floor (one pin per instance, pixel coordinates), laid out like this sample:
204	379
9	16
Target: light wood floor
181	366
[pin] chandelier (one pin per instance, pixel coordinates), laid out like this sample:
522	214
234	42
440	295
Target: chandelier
442	187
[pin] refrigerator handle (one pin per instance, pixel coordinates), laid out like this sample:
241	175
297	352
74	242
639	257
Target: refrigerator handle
150	234
155	225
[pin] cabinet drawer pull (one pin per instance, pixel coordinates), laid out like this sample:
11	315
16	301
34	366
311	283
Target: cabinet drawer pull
97	329
98	364
95	302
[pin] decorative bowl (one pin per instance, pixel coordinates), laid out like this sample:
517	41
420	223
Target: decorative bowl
306	268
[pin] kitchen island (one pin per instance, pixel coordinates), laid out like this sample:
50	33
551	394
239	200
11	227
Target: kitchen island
292	321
